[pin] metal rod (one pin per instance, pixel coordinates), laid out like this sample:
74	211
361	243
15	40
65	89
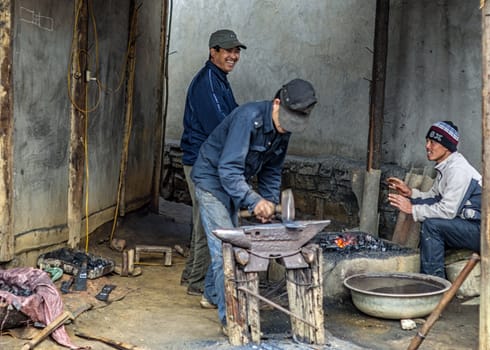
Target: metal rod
446	298
279	307
377	88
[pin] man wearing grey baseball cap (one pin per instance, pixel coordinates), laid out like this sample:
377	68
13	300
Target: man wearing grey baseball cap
251	142
209	99
226	39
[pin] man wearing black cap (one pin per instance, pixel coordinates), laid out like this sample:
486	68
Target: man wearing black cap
250	142
450	211
209	100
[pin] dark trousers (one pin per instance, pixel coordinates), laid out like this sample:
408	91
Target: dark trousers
198	261
438	234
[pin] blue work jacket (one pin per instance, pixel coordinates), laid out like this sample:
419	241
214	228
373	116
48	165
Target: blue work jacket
209	100
244	145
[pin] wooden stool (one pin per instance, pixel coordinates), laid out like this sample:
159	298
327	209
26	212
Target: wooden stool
305	294
154	249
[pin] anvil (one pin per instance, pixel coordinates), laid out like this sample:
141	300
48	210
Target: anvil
273	241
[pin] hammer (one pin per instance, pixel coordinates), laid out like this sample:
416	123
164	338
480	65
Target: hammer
286	207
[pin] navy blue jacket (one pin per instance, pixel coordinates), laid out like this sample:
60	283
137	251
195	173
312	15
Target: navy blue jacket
244	145
209	100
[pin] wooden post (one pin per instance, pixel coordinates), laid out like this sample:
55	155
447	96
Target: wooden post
253	307
128	122
161	109
317	295
241	318
370	198
236	322
305	294
77	90
6	125
484	336
377	91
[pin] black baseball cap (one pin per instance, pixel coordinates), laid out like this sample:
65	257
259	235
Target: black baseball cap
226	39
297	100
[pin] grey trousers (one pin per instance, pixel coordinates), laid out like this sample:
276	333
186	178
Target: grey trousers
199	259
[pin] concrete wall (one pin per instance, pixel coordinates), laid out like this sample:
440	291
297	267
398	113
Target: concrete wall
434	73
321	41
42	37
433	68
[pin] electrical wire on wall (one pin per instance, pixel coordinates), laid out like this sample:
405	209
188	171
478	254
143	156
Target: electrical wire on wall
86	73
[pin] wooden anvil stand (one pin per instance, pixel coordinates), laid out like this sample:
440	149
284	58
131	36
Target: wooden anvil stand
305	295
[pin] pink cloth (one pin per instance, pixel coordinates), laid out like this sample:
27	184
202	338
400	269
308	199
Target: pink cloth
43	305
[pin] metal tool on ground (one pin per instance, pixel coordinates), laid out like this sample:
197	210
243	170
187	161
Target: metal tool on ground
66	285
81	278
447	297
103	295
113	343
285	208
55	324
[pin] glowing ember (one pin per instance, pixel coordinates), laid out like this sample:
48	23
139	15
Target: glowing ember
353	241
343	242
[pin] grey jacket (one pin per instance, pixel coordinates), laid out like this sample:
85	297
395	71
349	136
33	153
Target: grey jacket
456	191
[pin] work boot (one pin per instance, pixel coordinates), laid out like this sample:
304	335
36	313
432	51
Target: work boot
194	291
206	304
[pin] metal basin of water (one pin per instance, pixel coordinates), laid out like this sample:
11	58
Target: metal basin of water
396	295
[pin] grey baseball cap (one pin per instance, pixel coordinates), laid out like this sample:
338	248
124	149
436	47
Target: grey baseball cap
226	39
297	100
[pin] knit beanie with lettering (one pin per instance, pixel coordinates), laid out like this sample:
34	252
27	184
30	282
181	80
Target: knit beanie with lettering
446	133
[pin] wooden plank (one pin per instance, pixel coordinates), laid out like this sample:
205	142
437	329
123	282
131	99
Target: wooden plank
234	319
484	332
369	216
403	221
317	296
305	295
78	117
242	300
6	126
253	307
407	231
294	303
298	302
128	121
161	109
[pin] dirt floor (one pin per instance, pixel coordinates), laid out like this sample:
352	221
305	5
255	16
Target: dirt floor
153	311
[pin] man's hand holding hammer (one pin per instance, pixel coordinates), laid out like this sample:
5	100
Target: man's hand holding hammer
264	210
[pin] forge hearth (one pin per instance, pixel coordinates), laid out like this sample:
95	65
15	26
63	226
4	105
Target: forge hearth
349	253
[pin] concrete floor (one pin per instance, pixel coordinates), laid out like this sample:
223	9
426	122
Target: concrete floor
153	311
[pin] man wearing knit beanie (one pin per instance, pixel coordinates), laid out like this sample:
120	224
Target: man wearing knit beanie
450	212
